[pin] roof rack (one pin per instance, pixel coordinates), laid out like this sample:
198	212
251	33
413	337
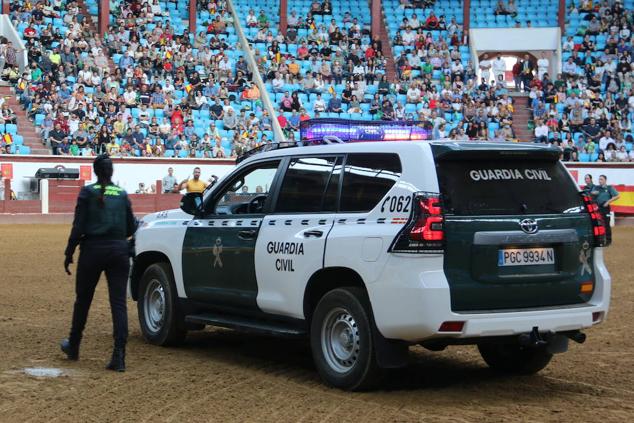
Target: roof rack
329	139
264	148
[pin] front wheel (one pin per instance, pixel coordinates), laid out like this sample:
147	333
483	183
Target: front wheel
342	342
513	358
160	318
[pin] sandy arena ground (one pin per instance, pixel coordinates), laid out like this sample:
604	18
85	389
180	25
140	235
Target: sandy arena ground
224	376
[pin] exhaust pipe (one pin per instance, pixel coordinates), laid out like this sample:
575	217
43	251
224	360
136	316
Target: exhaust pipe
577	336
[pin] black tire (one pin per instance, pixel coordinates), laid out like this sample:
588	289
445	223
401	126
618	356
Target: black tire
170	330
514	359
350	309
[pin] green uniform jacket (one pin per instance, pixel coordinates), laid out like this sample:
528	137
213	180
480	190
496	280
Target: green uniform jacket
113	220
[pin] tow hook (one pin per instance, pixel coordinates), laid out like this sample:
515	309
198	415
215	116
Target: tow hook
554	343
533	339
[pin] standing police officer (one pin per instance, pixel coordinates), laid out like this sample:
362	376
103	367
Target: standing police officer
103	221
606	194
589	187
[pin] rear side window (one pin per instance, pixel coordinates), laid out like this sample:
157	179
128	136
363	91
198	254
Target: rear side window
307	185
479	187
367	178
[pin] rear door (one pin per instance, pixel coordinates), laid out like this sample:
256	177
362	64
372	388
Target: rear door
292	239
516	234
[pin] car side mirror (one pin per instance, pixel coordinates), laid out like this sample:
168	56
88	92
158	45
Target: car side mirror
191	202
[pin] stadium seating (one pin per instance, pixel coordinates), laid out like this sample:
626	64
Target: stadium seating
589	50
342	14
431	75
540	13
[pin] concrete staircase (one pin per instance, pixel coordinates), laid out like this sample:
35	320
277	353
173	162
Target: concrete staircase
25	126
521	116
386	42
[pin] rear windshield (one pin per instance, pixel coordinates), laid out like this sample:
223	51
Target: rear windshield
477	187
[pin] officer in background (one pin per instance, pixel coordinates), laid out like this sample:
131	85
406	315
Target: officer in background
606	194
103	221
589	188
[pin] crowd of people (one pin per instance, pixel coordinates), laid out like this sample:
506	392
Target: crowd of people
588	109
167	92
432	70
148	89
345	72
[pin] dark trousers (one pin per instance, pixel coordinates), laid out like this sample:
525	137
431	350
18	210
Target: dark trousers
605	212
97	257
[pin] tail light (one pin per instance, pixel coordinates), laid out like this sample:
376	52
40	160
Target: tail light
598	223
424	232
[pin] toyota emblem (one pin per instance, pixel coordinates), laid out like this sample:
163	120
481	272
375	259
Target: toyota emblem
529	226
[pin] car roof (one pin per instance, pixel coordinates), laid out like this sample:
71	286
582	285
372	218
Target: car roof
442	147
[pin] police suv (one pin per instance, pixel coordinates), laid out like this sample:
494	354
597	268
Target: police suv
368	248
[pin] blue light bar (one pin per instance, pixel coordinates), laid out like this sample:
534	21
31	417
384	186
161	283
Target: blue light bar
361	130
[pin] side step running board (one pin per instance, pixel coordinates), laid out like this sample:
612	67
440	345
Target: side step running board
244	324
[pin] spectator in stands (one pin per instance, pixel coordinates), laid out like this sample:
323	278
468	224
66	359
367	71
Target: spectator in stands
541	132
7	115
542	66
499	69
169	180
10	56
622	155
606	141
334	104
506	9
432	22
57	137
592	130
517	74
527	72
485	68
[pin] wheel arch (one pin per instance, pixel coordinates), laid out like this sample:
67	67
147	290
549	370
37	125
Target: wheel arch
325	280
141	263
390	353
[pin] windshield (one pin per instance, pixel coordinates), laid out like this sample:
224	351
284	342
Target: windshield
478	187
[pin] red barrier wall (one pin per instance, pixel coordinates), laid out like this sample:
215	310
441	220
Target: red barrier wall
24	206
150	203
63	196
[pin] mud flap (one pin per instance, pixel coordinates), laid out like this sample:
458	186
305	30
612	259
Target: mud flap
390	353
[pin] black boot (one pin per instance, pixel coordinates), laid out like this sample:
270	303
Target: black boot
71	349
117	362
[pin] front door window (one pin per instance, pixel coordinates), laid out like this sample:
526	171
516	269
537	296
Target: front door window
246	193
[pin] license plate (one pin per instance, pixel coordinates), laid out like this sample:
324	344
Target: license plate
526	256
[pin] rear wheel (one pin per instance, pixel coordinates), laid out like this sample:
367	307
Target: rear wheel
341	340
160	318
513	358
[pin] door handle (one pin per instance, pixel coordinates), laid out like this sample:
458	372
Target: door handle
316	234
246	235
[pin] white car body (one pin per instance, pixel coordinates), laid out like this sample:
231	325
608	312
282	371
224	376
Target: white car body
409	294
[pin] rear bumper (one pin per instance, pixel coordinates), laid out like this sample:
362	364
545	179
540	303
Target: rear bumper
412	309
